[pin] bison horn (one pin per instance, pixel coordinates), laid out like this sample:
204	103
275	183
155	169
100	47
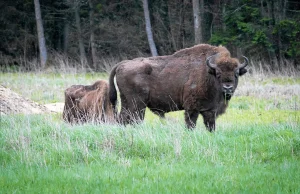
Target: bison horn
209	64
246	62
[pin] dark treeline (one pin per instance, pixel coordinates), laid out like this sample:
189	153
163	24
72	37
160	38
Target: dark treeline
90	30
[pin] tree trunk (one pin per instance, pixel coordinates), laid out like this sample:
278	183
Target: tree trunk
284	9
92	35
272	53
40	31
223	16
66	29
171	24
66	36
216	26
25	45
202	19
80	40
148	28
181	37
197	22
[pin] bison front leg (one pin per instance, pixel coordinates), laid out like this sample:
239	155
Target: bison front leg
209	119
191	119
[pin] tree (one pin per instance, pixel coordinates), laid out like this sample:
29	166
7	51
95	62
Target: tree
92	34
197	21
266	30
79	34
66	36
149	29
66	28
41	36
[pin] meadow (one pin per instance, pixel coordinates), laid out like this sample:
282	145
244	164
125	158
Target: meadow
255	148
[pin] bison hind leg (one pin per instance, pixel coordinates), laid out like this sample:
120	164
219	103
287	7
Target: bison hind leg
132	111
128	116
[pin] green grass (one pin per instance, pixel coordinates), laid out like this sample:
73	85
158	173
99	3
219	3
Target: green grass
255	149
43	154
46	88
286	81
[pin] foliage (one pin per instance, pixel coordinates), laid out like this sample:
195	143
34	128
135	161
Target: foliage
289	33
261	29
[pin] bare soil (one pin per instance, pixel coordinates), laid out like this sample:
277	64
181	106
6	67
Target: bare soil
55	107
13	103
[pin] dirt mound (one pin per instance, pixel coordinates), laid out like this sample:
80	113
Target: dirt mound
56	107
13	103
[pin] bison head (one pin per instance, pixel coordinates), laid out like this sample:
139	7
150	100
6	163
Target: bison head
226	70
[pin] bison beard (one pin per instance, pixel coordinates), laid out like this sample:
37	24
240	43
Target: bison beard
199	80
88	103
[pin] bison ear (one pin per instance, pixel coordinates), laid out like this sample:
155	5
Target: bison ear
242	71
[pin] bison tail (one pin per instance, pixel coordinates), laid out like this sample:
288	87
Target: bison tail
112	89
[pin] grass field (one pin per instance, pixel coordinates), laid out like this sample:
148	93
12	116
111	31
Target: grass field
255	149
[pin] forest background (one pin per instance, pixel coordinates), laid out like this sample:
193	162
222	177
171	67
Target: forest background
88	32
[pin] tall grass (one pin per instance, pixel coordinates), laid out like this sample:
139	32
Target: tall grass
255	149
43	154
60	63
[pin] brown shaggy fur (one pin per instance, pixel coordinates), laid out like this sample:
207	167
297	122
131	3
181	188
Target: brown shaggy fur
182	81
88	103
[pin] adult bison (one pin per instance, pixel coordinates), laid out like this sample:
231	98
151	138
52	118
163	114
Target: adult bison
200	79
88	103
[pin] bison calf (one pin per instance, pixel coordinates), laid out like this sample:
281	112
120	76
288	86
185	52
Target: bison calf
88	103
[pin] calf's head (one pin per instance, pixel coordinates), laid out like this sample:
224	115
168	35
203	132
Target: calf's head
227	71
